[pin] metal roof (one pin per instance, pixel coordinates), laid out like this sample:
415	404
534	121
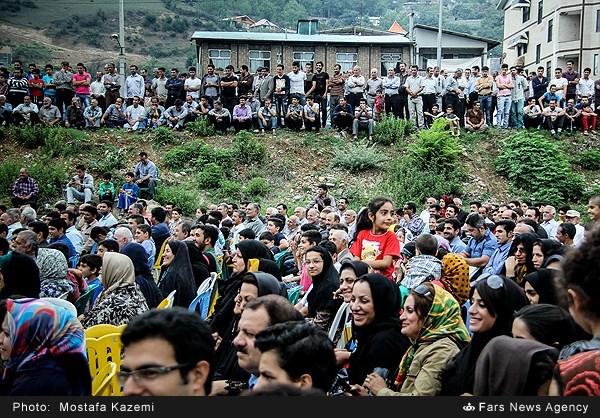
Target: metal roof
271	37
491	42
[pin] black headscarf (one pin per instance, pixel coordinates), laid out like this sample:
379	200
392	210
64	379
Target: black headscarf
143	275
459	375
179	275
21	276
381	343
543	282
527	241
268	284
199	263
360	268
324	284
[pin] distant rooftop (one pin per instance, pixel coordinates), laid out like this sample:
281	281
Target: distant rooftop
270	37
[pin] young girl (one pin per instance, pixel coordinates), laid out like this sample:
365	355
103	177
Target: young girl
374	243
128	194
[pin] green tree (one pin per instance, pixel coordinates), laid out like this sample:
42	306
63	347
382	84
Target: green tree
292	12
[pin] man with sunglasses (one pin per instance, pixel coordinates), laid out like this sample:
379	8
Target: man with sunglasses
168	352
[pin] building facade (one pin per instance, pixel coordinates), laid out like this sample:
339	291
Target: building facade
548	33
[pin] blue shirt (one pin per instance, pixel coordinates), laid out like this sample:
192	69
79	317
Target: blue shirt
496	263
457	245
64	239
484	247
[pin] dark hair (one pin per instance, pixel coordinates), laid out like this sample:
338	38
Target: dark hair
107	176
146	229
548	324
454	222
247	233
91	209
277	222
93	261
97	231
188	334
279	309
423	302
111	245
427	244
508	224
362	221
568	229
60	246
58	223
39	226
211	232
312	236
80	167
475	220
301	348
159	213
266	236
502	302
329	246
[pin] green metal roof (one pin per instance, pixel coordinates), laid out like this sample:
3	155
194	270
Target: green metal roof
271	37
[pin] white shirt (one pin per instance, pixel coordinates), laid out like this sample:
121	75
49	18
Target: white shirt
297	81
585	88
193	82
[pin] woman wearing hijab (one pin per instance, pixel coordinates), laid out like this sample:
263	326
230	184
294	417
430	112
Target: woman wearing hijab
246	258
431	320
494	299
199	262
520	257
548	253
548	324
455	277
542	286
21	276
121	298
514	367
143	274
53	273
176	273
78	283
229	377
322	307
376	326
45	351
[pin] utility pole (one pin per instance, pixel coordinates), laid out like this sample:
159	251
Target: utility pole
439	38
122	46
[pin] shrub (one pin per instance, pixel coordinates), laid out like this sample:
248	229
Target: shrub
210	177
163	136
257	187
51	178
229	191
179	157
435	146
113	160
392	130
533	163
31	136
201	127
356	159
180	195
248	149
590	160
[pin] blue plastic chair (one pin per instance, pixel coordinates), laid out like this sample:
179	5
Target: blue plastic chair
201	303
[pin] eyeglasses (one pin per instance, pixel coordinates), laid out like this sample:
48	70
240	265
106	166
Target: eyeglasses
422	290
148	374
493	281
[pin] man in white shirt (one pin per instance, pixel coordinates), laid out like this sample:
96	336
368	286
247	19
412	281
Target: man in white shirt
134	85
192	84
573	216
585	87
297	78
414	87
134	114
548	221
561	84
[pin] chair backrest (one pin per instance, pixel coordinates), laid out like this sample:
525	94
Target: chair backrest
280	258
336	320
63	295
294	294
101	382
63	304
82	301
171	296
73	261
201	303
100	330
103	350
165	303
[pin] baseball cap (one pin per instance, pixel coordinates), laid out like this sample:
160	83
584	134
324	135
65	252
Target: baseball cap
572	214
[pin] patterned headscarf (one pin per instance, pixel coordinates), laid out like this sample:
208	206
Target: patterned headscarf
455	276
443	321
53	273
39	329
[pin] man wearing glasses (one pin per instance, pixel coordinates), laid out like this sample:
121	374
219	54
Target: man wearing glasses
168	352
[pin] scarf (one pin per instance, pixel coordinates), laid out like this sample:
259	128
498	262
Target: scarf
117	272
455	277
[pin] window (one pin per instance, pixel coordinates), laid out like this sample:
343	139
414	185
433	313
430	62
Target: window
303	58
540	11
596	64
526	14
538	53
549	69
220	58
347	60
390	60
550	27
598	20
259	59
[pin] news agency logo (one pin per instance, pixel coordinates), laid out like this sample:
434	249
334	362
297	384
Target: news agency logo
468	407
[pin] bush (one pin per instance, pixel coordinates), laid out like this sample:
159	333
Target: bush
257	187
179	157
31	136
210	177
536	165
391	130
229	191
248	149
356	159
163	136
180	195
113	160
201	127
435	146
51	178
590	160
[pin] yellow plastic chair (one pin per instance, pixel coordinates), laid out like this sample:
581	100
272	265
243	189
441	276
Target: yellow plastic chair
99	330
103	350
101	384
164	304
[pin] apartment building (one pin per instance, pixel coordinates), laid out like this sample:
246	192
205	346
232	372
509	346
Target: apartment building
548	33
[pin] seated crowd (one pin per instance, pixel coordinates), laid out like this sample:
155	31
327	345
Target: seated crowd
499	299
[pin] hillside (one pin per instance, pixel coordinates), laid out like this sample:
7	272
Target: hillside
198	169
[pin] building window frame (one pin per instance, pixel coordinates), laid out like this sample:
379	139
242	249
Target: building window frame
596	69
549	71
540	11
538	53
526	14
598	20
550	29
258	58
220	58
346	60
303	57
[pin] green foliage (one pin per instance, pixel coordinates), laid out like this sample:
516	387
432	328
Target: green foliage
51	178
391	130
230	191
248	149
112	161
180	195
257	187
201	127
535	164
179	157
430	167
356	158
590	160
31	136
163	136
210	177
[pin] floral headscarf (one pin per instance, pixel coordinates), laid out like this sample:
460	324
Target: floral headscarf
455	276
443	321
39	329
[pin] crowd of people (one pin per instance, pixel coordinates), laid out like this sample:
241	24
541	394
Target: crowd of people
424	299
304	98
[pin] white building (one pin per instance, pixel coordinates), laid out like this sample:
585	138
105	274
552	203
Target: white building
547	33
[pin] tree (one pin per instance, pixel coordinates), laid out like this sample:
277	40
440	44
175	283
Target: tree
292	12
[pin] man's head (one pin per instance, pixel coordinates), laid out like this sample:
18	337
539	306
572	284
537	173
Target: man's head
40	229
549	213
167	352
123	236
475	226
56	228
312	216
105	207
340	238
504	231
182	230
206	236
158	215
451	229
572	216
26	242
258	315
349	216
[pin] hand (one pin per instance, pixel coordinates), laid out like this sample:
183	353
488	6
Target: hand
374	383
